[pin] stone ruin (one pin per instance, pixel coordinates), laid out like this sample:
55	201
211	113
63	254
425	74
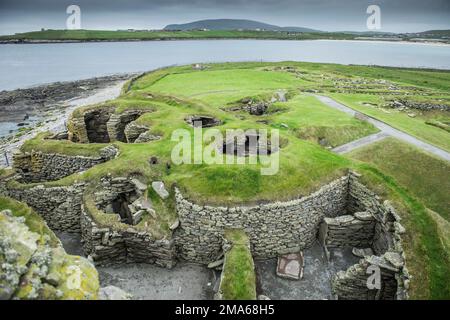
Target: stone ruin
250	143
258	107
202	121
101	125
124	198
343	213
37	166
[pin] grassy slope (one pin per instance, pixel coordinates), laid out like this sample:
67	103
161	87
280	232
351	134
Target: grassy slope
422	174
157	35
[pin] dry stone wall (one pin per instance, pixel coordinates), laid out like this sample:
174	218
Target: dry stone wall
60	207
355	230
90	126
273	229
107	245
384	238
342	213
36	166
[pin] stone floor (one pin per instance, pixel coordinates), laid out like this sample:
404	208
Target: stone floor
196	282
315	284
148	282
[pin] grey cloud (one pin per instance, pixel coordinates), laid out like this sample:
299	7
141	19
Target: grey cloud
397	15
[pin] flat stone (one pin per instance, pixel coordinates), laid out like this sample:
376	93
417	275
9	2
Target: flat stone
364	216
174	225
344	219
215	264
381	262
141	186
362	252
394	258
160	189
290	266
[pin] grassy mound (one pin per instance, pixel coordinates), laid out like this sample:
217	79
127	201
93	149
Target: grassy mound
238	278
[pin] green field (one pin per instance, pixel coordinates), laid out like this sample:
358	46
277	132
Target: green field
414	181
422	174
105	35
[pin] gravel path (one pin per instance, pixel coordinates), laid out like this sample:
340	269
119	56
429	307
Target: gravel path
385	129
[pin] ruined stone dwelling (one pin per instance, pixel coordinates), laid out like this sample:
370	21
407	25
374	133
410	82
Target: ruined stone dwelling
343	213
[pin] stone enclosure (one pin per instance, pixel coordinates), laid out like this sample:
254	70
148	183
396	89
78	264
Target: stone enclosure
102	125
343	213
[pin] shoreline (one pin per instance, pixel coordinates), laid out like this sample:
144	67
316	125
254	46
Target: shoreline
55	114
31	41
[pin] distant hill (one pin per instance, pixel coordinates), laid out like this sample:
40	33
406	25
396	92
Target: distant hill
234	24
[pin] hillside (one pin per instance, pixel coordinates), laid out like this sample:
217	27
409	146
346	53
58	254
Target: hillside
234	24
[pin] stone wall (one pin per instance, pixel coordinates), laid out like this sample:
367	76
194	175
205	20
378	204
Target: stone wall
118	122
107	245
102	125
383	237
352	283
90	126
355	230
60	207
273	229
36	166
345	211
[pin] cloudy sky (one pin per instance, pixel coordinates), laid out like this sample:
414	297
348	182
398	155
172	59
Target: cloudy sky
328	15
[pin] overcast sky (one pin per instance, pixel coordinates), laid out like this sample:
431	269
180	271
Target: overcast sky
328	15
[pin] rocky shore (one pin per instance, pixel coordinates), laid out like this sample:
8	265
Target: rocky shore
27	112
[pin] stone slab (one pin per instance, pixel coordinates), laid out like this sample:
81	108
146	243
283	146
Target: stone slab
290	266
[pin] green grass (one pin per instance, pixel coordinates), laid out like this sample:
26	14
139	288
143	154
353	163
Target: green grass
421	173
62	147
238	276
194	83
416	127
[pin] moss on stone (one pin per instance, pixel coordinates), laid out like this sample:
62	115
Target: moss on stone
33	266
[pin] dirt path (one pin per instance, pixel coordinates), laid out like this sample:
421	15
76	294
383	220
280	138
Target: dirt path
386	130
58	123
